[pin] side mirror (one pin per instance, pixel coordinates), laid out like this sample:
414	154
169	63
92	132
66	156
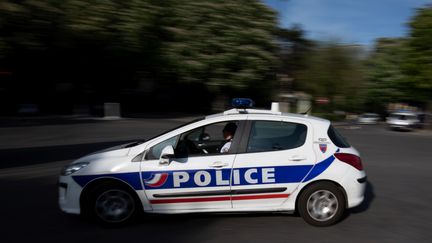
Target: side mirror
166	155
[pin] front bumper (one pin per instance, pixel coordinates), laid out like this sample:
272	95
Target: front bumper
69	195
401	126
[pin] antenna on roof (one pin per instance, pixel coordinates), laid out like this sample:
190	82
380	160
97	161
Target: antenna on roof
275	107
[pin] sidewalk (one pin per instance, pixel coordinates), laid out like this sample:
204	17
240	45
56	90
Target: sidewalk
55	131
22	121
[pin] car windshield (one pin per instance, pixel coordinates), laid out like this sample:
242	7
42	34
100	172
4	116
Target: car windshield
177	127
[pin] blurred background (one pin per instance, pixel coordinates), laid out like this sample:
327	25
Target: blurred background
71	57
70	69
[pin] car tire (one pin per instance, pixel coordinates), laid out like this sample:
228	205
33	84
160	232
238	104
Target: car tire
112	204
321	204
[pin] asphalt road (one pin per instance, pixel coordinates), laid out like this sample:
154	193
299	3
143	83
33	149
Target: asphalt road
397	208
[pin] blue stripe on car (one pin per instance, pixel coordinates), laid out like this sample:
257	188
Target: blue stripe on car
282	174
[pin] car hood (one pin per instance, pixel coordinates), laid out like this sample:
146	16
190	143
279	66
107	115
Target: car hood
119	147
112	152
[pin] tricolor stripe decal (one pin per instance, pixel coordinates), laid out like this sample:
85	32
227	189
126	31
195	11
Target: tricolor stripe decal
156	180
214	199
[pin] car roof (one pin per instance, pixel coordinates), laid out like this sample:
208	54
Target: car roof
270	113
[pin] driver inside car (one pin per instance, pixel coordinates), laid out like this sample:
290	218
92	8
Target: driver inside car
228	134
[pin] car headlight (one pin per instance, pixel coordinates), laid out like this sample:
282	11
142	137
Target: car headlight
72	168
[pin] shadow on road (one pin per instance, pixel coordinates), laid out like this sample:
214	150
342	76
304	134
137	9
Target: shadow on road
39	155
34	208
12	122
45	121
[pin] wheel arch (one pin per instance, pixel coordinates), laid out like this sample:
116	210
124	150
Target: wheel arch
317	182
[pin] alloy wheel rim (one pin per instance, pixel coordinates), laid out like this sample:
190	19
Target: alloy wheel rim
322	205
114	206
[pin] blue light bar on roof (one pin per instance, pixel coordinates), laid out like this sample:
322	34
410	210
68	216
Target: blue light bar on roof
242	103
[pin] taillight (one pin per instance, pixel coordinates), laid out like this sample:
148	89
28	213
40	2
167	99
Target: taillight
350	159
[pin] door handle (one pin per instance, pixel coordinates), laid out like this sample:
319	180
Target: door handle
218	164
297	158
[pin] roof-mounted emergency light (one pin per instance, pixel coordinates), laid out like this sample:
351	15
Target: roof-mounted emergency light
242	103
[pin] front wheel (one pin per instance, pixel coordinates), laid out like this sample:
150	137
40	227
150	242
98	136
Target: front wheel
321	204
112	204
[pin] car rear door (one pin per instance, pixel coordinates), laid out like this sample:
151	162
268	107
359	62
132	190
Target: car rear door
276	156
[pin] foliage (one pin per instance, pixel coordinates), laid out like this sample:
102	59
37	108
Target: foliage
152	51
400	69
333	71
102	49
231	46
418	66
294	50
386	79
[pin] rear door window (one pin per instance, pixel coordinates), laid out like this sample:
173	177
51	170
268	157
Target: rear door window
275	135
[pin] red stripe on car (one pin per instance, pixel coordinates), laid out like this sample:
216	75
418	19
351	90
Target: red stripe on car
213	199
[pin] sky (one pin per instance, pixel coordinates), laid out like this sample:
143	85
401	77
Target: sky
348	21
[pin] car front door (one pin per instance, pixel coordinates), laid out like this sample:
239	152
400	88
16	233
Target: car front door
271	163
198	177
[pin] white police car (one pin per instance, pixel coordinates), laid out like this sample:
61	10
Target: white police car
275	162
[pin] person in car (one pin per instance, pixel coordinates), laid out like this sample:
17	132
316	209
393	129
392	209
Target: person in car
228	134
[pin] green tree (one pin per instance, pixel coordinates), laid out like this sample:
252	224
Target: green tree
224	44
103	49
294	50
400	69
418	66
334	71
387	81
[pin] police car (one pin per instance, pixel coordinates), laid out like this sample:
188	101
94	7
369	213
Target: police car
241	160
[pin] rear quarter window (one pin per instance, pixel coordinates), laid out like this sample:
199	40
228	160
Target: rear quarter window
337	138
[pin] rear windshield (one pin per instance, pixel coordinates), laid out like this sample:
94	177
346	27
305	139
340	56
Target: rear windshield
403	117
337	138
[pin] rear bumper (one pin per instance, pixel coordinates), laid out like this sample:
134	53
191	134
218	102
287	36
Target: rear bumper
354	184
402	126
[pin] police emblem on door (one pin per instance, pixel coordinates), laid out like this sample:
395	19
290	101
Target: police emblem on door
323	147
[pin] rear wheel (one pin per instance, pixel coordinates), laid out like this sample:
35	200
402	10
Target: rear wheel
321	204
